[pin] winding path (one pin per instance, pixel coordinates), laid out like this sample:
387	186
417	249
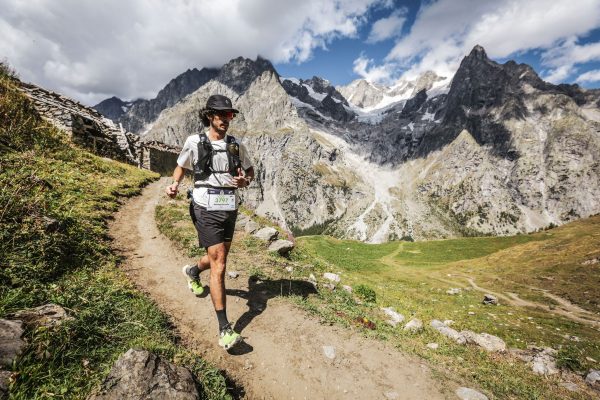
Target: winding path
283	356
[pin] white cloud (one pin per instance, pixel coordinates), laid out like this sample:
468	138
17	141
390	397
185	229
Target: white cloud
563	58
91	50
590	76
386	28
446	30
559	74
367	69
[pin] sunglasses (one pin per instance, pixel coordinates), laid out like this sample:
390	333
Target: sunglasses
225	115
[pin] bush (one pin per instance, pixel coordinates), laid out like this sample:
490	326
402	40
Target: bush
365	293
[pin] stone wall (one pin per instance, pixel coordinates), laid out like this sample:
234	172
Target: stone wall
159	157
91	130
87	127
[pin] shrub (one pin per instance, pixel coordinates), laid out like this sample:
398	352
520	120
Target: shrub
365	293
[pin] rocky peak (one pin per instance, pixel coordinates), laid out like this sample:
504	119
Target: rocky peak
317	94
426	81
240	72
137	115
183	85
478	53
112	108
362	93
479	86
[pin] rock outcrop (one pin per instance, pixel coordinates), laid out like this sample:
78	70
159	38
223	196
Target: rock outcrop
139	374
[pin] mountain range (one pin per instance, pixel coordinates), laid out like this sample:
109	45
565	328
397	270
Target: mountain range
493	150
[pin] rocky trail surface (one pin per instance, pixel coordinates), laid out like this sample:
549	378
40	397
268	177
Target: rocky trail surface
286	354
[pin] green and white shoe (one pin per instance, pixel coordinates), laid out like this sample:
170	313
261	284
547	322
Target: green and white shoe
193	281
229	338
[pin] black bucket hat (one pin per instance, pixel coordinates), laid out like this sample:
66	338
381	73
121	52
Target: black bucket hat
218	102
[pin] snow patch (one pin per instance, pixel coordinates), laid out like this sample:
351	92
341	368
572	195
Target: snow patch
300	104
313	94
293	80
428	117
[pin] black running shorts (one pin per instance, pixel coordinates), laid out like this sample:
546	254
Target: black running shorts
213	227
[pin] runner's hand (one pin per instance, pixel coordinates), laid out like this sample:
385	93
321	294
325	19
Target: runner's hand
172	190
240	180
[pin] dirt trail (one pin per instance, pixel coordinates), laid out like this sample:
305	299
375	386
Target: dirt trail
283	356
565	309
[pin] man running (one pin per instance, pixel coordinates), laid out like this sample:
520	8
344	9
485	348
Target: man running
221	166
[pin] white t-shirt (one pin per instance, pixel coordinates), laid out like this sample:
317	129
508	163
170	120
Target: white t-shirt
189	155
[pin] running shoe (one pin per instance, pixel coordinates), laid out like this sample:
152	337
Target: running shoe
229	338
193	281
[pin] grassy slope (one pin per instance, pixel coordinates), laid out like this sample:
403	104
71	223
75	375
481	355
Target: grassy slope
413	278
54	203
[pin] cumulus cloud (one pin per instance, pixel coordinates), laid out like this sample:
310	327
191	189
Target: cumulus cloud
367	69
389	27
590	76
562	59
445	30
91	50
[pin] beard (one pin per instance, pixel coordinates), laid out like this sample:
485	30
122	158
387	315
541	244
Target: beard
219	127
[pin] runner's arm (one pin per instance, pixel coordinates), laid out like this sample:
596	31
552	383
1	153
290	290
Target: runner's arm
173	188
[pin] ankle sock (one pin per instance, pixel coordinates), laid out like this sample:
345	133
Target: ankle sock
194	271
222	318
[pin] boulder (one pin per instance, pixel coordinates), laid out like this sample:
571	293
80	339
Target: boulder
447	331
593	379
433	346
541	359
465	393
139	374
488	299
570	386
335	278
414	325
283	247
347	288
267	234
240	223
4	383
251	227
395	318
11	344
453	291
489	343
47	315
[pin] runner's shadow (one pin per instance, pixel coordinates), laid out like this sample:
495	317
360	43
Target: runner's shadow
261	291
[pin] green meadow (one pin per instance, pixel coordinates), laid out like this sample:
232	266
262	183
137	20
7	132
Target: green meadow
538	278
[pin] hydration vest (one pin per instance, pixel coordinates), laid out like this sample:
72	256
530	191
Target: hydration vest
203	167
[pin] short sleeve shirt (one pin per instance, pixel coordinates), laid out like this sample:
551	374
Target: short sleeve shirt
189	155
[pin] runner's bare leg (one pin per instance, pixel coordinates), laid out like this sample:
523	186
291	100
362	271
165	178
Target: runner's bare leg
217	255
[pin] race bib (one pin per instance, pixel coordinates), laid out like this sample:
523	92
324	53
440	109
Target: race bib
221	200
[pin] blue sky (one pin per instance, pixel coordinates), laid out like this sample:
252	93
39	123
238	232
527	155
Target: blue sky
335	60
92	50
